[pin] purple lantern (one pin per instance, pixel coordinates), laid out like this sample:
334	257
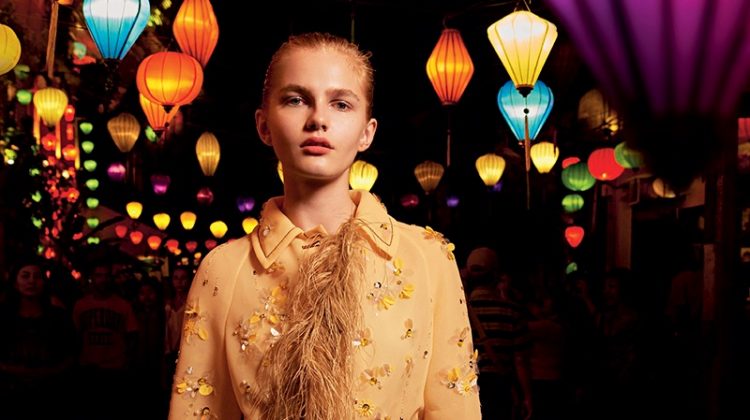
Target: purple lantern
205	196
116	172
498	187
410	200
452	201
245	204
160	183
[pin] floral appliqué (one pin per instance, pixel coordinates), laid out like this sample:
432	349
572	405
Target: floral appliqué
445	244
276	269
460	337
362	339
272	303
408	329
375	376
393	285
193	320
192	386
364	408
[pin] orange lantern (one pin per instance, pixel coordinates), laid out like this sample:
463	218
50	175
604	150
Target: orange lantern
490	168
196	30
169	78
124	130
70	152
574	235
209	152
157	118
603	165
153	242
428	174
449	67
49	142
121	231
172	245
70	113
136	237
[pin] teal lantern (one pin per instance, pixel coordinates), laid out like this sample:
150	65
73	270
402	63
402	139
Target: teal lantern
92	202
24	96
86	127
90	165
115	24
572	203
516	109
577	177
627	157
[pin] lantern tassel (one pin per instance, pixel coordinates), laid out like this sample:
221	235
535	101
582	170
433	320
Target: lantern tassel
527	152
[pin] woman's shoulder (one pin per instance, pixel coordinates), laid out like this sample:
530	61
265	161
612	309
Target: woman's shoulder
426	239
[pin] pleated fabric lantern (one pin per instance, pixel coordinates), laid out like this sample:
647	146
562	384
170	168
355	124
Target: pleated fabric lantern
449	67
574	235
115	25
571	203
628	158
188	218
121	230
661	189
523	42
160	183
249	224
169	79
157	118
218	229
577	177
362	175
428	174
208	151
124	130
50	104
205	196
161	220
517	109
196	30
136	237
116	172
544	156
597	114
153	242
490	168
603	166
134	209
10	49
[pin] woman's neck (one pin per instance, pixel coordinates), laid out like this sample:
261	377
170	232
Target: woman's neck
30	308
309	205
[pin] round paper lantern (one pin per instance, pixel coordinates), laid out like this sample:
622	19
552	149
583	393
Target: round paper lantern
208	151
603	166
161	220
577	177
86	128
210	244
157	118
205	196
115	25
172	245
544	155
248	224
572	203
92	222
10	49
134	209
24	96
410	201
160	183
124	130
449	67
191	246
116	172
92	184
218	229
153	242
92	202
196	30
516	108
121	230
627	157
523	42
574	235
362	175
69	113
187	219
490	168
596	113
661	189
169	78
50	104
428	174
569	161
90	165
136	237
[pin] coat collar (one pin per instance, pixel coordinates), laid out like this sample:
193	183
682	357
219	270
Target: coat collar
275	232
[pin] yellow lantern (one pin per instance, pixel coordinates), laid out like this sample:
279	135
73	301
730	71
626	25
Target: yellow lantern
124	130
490	168
661	189
157	118
187	219
10	49
208	151
362	175
161	220
249	224
134	209
280	171
428	174
218	229
196	30
50	104
523	42
449	67
596	113
544	155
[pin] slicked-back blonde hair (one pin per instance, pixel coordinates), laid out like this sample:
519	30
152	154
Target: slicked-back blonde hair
359	59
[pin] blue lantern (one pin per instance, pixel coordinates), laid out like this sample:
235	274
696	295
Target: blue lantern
115	24
515	108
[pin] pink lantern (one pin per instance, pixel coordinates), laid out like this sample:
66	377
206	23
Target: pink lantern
210	244
191	246
410	201
160	183
205	196
245	204
116	172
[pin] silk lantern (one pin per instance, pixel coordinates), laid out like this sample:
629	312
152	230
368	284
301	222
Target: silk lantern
205	196
208	151
115	25
428	175
525	114
121	230
628	158
161	220
249	224
10	49
116	172
544	156
490	168
157	118
136	237
218	229
449	67
661	189
160	183
597	114
187	219
191	246
196	30
153	242
169	79
571	203
50	104
362	175
574	235
134	209
572	160
577	177
603	166
124	129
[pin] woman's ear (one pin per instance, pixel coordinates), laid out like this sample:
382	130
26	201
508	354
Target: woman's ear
261	125
368	134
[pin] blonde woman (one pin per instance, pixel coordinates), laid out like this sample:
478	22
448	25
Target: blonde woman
330	309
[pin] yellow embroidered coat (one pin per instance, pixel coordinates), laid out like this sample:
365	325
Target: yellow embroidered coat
414	357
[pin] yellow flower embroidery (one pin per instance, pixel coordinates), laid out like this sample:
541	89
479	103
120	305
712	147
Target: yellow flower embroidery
409	333
365	408
406	291
398	266
373	376
363	338
460	337
449	248
193	317
277	268
386	302
462	380
192	387
445	244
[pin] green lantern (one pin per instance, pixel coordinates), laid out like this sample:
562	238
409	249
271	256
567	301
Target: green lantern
577	177
572	203
92	202
34	172
24	96
93	240
36	196
92	184
86	127
90	165
92	222
37	222
572	267
627	157
87	146
151	134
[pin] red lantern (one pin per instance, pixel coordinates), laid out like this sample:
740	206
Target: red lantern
205	196
136	237
172	245
191	246
210	244
70	113
153	242
121	231
603	165
157	118
574	235
570	161
49	141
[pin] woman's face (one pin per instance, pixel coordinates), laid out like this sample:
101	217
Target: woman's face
29	282
316	115
180	280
